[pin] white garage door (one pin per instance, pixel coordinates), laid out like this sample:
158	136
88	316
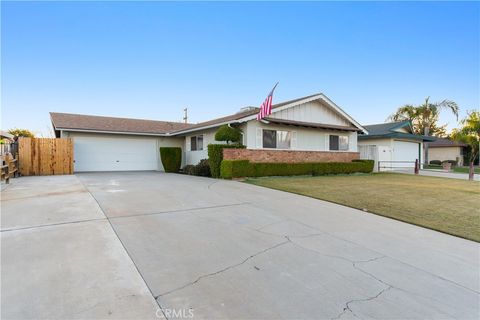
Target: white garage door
405	151
114	154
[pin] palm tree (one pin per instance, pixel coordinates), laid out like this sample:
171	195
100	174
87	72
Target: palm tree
424	118
469	133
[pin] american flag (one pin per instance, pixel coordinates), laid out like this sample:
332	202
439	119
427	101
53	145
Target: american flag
266	107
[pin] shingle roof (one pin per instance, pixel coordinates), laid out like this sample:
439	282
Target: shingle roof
100	123
385	128
112	124
388	130
442	142
240	115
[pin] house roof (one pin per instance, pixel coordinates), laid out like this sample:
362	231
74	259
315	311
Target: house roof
390	130
4	134
442	143
252	113
82	122
67	121
312	124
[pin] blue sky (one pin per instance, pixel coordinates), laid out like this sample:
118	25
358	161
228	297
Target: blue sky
152	59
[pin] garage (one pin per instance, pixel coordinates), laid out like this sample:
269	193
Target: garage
408	151
116	144
100	153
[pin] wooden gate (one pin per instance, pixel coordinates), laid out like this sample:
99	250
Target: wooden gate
45	156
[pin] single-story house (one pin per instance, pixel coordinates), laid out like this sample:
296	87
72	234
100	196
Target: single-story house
311	128
445	149
392	144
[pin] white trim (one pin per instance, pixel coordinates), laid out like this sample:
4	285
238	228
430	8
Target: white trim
316	97
113	132
309	150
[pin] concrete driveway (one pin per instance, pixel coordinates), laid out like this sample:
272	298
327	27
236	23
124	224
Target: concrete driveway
124	245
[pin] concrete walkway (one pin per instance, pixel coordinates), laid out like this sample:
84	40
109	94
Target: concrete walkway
120	245
441	174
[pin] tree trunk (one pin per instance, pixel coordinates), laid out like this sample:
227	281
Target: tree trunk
471	171
425	145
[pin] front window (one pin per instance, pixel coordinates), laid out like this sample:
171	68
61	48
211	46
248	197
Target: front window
277	139
196	143
338	143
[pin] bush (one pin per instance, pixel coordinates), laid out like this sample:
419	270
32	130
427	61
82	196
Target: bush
235	168
200	169
244	168
189	169
171	158
227	133
436	162
215	156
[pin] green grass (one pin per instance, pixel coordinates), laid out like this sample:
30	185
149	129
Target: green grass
446	205
454	169
465	170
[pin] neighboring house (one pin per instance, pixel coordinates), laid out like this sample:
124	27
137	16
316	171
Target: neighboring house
5	142
446	149
311	128
393	144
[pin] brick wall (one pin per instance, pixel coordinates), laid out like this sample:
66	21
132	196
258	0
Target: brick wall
287	156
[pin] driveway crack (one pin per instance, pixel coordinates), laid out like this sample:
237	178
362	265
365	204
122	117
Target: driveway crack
224	269
348	303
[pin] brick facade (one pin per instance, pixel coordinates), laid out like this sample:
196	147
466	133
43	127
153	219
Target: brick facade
287	156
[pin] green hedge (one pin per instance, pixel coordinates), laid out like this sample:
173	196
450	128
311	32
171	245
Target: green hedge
171	158
244	168
215	156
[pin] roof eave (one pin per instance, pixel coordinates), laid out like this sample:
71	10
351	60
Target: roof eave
113	132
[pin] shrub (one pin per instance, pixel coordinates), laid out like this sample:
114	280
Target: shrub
215	156
200	169
244	168
171	158
189	169
235	169
436	162
453	162
227	133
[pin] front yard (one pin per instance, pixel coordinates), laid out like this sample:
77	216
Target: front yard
447	205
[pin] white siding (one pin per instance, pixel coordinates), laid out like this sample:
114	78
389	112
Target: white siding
194	157
307	139
313	111
445	153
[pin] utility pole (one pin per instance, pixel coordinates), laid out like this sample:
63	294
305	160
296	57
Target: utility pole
185	115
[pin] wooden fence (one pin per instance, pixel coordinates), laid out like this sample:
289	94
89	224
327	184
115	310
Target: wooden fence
45	156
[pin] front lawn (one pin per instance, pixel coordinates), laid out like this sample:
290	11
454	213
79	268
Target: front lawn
447	205
476	169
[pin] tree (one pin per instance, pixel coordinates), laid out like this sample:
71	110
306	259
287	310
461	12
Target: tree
469	133
21	133
227	133
424	118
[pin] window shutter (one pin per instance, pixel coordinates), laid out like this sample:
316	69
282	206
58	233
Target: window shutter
294	140
187	144
259	143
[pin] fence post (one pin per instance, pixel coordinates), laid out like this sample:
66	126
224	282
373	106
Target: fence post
378	164
417	165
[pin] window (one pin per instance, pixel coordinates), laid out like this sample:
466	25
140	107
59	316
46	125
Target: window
276	139
338	142
269	138
196	143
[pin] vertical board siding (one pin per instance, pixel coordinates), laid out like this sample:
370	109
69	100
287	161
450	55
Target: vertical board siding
45	156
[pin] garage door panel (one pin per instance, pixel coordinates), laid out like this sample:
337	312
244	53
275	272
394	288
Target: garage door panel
114	154
405	151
